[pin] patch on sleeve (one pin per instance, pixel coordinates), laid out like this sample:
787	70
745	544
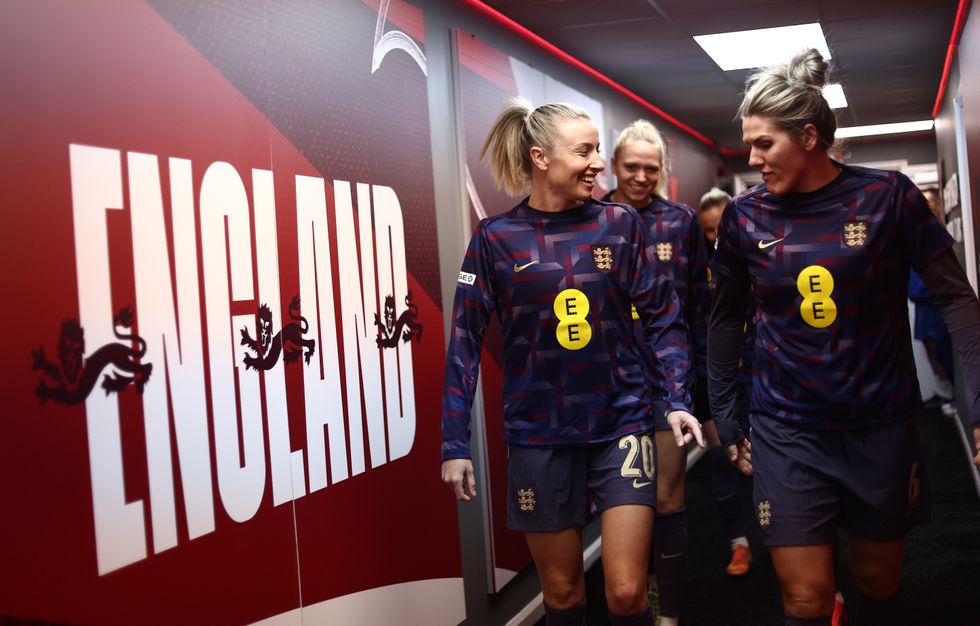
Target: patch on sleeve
466	278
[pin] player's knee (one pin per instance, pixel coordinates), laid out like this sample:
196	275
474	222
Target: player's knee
626	597
811	599
876	580
561	594
668	503
670	496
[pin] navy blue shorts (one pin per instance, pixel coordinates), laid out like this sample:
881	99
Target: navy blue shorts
548	489
806	483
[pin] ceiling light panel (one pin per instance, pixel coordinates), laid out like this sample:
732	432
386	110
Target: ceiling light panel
762	46
883	129
834	95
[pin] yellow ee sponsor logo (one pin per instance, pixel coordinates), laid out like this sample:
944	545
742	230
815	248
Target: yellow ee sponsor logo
574	331
815	284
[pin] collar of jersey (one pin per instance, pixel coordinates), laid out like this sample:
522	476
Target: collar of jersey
569	214
640	209
799	199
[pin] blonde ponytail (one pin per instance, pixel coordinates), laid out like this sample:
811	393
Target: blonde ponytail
516	130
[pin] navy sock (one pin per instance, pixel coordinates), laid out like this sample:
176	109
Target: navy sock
643	618
806	621
872	612
670	554
727	484
573	616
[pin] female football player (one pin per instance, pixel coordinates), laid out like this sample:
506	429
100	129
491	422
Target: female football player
827	248
675	243
561	271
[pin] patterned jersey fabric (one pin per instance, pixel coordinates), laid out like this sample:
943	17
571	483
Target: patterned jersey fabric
828	270
562	285
674	239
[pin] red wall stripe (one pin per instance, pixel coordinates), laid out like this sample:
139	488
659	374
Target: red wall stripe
950	53
500	18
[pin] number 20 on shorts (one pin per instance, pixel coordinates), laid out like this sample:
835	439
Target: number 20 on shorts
642	447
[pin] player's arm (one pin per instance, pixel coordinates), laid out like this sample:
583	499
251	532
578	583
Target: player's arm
953	295
929	248
698	291
472	306
726	324
664	330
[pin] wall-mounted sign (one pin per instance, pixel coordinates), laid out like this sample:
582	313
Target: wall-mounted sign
223	284
951	193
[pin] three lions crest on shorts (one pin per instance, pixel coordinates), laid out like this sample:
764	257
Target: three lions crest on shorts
525	498
765	513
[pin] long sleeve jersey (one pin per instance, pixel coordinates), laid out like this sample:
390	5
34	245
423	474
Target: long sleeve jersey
675	243
562	285
829	270
748	329
674	240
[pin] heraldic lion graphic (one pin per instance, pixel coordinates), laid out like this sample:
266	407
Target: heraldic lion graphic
288	341
73	378
405	328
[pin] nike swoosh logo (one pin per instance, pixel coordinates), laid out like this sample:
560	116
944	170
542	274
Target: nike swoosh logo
638	485
521	268
764	244
670	556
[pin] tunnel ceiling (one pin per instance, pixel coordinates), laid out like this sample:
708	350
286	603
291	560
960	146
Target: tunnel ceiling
888	54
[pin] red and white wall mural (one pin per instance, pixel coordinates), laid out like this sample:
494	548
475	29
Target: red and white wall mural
223	312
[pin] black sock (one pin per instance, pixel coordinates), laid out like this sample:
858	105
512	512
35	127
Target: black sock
643	618
726	481
872	612
670	554
806	621
572	616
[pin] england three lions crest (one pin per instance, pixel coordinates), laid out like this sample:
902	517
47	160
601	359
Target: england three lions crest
854	234
602	256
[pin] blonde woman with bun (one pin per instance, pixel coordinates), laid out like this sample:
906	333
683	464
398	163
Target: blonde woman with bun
826	249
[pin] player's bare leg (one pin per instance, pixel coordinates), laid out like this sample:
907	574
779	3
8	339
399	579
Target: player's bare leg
626	542
877	568
806	576
558	558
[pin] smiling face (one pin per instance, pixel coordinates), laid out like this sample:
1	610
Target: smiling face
782	159
637	168
566	174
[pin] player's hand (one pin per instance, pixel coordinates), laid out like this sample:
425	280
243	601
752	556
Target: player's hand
744	463
686	428
740	455
976	445
458	474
